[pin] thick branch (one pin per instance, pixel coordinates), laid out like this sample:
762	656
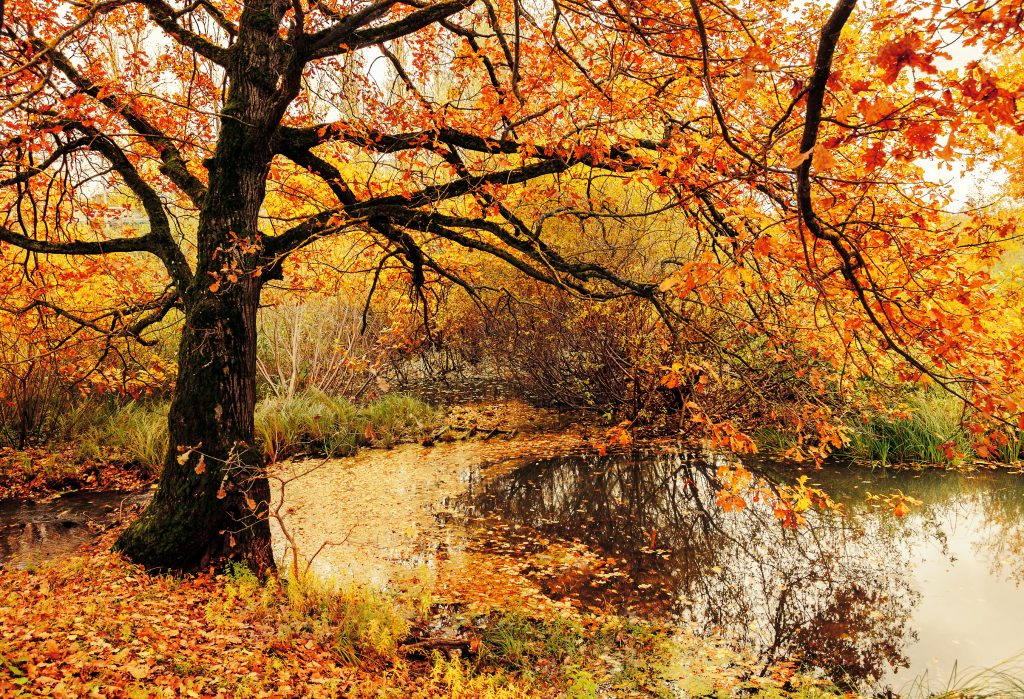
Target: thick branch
350	34
324	170
312	228
144	243
850	257
292	138
174	165
163	245
166	17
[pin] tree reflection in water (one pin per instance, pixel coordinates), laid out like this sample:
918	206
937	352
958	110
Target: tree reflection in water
831	592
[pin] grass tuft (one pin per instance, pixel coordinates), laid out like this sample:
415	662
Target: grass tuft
135	432
929	430
517	641
315	423
1003	681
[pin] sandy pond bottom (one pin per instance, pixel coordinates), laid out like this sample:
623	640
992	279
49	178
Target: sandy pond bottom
391	518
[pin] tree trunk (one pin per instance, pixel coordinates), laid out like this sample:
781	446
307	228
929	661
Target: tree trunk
213	497
213	494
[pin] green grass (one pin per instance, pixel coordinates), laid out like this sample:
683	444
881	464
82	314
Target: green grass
929	425
773	440
515	640
396	417
140	432
97	430
1003	681
315	423
135	432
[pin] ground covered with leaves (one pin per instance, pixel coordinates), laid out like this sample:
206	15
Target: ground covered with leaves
40	471
96	625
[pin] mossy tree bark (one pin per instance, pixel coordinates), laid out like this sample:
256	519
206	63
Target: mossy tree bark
213	496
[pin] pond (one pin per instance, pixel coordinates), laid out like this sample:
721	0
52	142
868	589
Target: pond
872	599
35	531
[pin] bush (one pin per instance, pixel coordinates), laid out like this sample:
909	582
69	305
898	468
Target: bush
33	395
321	346
584	355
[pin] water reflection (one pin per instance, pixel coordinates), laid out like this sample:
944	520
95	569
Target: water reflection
32	532
843	593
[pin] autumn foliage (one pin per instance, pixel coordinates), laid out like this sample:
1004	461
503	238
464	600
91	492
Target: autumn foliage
764	176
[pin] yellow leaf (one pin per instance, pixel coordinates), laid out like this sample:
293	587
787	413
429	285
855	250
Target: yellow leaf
798	160
823	159
878	110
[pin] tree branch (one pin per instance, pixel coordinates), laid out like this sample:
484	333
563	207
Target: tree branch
348	35
850	256
174	165
164	246
144	243
166	18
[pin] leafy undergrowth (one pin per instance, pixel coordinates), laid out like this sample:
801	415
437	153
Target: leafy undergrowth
43	470
105	446
100	626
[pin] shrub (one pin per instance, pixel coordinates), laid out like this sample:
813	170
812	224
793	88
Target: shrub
584	355
33	394
321	346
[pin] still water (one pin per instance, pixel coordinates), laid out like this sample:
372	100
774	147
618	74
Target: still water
35	531
870	598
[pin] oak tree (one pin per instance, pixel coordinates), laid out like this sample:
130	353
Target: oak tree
788	139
